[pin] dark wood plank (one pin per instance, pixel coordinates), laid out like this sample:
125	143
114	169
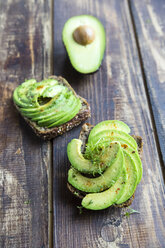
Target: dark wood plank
25	52
150	27
116	91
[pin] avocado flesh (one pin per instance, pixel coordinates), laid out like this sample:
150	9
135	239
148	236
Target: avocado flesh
108	125
132	151
99	201
68	116
21	90
120	192
58	112
84	59
135	157
132	181
114	135
97	184
86	166
132	164
48	103
34	112
25	95
45	111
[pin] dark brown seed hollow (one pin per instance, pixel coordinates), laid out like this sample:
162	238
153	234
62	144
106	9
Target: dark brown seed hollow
84	35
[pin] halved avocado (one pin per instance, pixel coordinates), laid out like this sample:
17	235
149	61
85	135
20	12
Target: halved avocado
108	125
98	184
84	39
99	201
106	155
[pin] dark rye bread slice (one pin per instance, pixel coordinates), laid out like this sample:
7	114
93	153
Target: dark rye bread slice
86	128
50	133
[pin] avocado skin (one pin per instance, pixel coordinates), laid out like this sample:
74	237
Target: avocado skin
84	59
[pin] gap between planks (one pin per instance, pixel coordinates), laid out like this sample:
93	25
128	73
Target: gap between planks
50	172
50	198
146	90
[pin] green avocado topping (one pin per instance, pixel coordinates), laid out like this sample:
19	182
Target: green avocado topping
48	103
112	159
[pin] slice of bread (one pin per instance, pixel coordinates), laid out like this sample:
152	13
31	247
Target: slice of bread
50	133
86	128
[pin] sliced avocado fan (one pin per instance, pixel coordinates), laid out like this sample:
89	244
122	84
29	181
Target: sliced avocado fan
84	39
97	160
48	103
121	169
105	180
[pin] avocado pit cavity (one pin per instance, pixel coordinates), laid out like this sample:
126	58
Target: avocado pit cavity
84	35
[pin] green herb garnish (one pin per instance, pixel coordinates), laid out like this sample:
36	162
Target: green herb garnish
132	211
80	209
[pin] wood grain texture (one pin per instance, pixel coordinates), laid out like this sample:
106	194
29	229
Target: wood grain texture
116	91
150	27
25	49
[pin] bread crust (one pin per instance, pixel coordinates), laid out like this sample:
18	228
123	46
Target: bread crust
50	133
84	133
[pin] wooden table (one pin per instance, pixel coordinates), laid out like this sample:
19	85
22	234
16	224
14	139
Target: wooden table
36	209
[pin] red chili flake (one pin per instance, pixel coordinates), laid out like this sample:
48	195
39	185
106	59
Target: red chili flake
124	146
40	87
88	183
117	190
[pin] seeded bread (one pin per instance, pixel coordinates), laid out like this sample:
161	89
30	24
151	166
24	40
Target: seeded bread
86	128
50	133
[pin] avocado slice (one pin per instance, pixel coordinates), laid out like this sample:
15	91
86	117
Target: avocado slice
58	111
114	135
120	192
93	166
19	95
84	39
99	201
135	157
48	103
44	111
98	184
128	149
68	115
107	125
132	181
